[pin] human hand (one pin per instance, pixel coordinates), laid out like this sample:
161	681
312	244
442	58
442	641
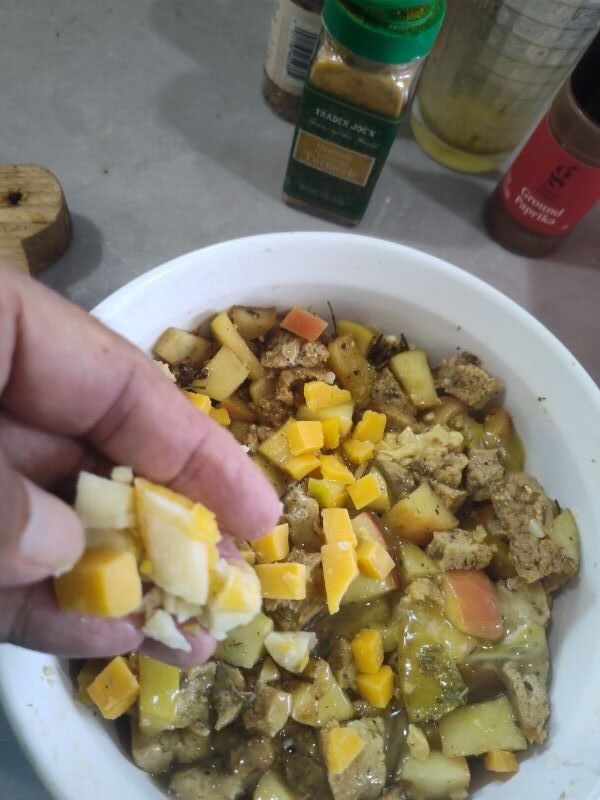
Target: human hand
70	392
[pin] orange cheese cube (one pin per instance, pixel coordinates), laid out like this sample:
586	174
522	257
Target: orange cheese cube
367	651
328	494
332	469
373	560
500	761
301	466
376	689
201	401
285	581
88	673
340	747
371	427
304	437
220	415
103	583
337	526
358	452
365	491
319	395
331	433
274	546
115	689
339	570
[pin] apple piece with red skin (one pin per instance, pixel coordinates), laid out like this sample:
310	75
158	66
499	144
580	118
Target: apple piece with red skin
304	324
367	528
471	603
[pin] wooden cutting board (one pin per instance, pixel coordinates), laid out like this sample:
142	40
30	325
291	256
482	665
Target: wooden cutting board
35	224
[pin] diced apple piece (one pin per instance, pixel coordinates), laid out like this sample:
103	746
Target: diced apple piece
261	388
244	645
417	516
382	503
176	346
180	539
472	604
253	322
276	478
436	777
322	700
413	563
368	529
276	446
412	370
328	494
304	324
363	336
103	503
159	690
227	334
222	375
351	368
565	534
342	412
238	409
475	729
272	787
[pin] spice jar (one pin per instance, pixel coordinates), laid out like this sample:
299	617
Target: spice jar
359	84
555	179
494	68
295	28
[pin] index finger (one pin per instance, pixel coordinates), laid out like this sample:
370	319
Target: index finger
63	371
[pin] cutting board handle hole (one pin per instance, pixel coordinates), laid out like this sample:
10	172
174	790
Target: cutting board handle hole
14	198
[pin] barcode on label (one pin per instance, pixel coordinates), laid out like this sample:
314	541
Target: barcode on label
301	47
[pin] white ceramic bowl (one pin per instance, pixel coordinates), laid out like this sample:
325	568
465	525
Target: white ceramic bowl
555	405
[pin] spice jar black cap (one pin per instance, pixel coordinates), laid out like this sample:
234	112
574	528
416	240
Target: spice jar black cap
585	81
388	31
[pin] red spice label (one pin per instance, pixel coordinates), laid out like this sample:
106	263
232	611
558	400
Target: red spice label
546	189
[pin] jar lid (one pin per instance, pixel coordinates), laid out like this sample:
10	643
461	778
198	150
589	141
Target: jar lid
388	31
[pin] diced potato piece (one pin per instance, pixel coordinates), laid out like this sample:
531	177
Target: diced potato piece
373	560
244	645
340	747
272	787
304	436
364	492
376	689
299	467
418	746
475	729
331	433
180	539
382	503
351	368
436	777
500	761
357	452
565	534
363	336
276	446
115	689
472	604
238	409
103	583
342	412
333	469
103	503
261	388
339	570
227	334
413	563
367	651
253	322
498	431
416	517
412	370
221	376
201	401
322	701
371	427
276	478
337	526
269	671
290	649
159	690
304	324
328	494
220	416
274	546
320	395
285	581
86	675
176	346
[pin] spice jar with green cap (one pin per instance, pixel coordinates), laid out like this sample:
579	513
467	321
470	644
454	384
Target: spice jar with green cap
359	84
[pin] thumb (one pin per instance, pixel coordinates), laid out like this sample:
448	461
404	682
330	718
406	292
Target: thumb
39	534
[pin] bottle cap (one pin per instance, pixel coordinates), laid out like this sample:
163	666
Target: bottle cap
388	31
584	81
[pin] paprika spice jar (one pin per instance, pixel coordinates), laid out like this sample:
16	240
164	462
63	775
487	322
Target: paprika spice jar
359	84
555	179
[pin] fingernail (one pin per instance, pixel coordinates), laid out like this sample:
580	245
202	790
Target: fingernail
53	536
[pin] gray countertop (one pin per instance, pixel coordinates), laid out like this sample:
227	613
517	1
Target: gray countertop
150	114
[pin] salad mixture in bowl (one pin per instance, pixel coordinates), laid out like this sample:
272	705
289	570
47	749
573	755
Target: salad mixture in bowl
390	634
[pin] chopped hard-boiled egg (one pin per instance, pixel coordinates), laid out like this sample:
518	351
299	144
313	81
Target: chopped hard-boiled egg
104	503
236	599
290	649
161	626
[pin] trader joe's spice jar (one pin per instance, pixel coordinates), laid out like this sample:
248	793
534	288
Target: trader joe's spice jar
359	84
